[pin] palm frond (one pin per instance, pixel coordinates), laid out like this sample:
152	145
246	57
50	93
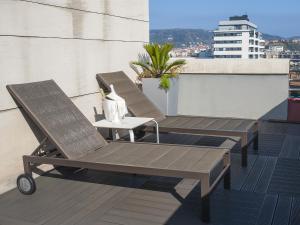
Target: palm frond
155	64
175	64
143	65
165	50
150	49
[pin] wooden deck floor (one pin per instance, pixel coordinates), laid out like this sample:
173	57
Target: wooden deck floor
267	192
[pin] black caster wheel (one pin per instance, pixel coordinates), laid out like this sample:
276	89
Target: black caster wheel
26	184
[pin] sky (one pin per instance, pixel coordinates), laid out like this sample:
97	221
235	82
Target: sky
276	17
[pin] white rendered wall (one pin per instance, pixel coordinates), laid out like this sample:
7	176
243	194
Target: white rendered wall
68	41
245	45
234	88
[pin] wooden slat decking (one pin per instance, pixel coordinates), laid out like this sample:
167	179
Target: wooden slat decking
264	193
207	123
192	160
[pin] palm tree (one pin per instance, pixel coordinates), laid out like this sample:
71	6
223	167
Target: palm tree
156	64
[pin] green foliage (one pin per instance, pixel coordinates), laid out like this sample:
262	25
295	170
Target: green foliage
156	64
165	82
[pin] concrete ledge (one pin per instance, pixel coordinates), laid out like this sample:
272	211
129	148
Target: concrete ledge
237	66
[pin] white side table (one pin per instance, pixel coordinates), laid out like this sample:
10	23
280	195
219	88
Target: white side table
128	123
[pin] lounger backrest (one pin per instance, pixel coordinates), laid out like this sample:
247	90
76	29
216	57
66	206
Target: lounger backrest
137	103
57	117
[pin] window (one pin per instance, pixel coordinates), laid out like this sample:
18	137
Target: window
228	49
229	42
228	56
232	27
227	34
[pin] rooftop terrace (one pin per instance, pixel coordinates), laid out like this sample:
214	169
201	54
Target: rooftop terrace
83	38
266	192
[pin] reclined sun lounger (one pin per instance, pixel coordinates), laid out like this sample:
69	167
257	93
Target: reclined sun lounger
78	144
139	105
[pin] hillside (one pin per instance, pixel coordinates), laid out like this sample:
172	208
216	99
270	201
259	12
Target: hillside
181	37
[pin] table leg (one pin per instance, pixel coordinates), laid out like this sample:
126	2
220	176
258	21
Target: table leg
115	134
157	131
131	135
227	179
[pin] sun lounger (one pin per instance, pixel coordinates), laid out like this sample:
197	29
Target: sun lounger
78	144
139	105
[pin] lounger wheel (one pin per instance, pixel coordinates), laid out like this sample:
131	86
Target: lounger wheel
26	184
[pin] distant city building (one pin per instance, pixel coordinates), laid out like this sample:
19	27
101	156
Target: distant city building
193	50
238	38
274	51
296	41
276	48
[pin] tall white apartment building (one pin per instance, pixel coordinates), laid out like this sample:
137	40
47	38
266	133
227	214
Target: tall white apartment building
238	38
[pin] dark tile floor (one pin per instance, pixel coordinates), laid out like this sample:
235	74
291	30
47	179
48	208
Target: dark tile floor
267	192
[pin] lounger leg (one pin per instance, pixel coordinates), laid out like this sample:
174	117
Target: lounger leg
227	179
205	203
244	156
255	142
205	208
27	166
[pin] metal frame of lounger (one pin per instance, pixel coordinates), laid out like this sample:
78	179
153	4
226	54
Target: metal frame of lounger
140	105
45	104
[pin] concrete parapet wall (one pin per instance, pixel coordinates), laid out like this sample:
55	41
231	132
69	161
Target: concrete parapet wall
234	88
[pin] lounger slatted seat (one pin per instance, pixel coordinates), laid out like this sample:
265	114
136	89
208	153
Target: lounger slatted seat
78	144
139	105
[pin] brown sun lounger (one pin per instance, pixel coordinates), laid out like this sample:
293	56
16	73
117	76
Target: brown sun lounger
78	144
139	105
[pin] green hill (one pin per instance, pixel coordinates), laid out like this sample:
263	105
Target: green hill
182	37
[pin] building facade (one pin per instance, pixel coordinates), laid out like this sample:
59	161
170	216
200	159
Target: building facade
238	38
